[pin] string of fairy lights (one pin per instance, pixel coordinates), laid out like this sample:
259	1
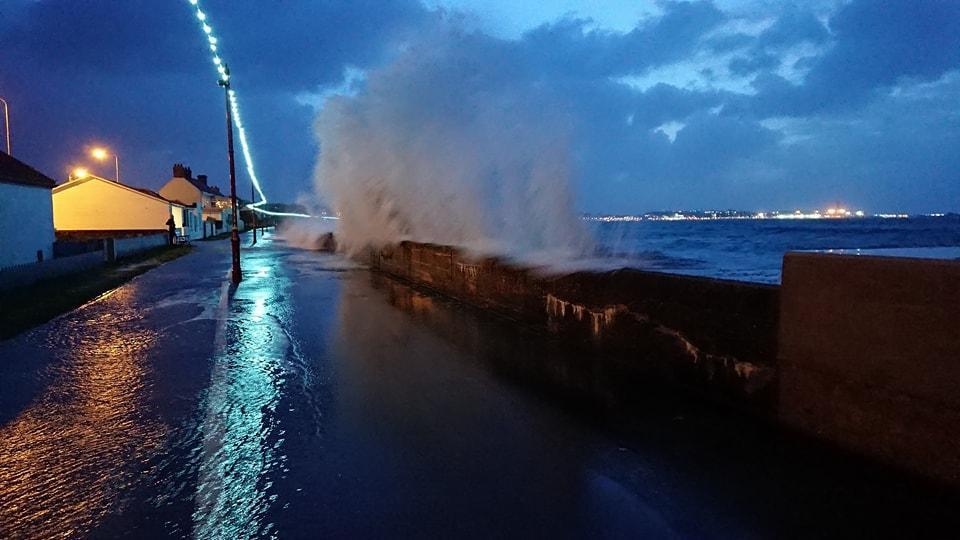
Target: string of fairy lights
224	74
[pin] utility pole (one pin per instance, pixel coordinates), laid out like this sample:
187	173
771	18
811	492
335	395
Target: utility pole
253	214
234	233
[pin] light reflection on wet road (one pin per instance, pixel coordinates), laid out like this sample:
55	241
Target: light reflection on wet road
318	400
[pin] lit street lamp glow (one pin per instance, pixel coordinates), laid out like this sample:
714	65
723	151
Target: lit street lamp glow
100	154
79	172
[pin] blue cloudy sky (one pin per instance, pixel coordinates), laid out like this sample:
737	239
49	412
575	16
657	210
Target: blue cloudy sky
732	103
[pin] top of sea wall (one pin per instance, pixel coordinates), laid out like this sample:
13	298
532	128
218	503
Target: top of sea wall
717	336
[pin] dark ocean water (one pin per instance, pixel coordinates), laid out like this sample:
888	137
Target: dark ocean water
752	250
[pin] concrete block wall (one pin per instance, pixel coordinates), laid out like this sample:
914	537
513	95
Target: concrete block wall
28	274
870	357
718	337
861	352
124	247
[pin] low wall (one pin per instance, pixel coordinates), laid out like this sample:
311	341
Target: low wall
28	274
861	352
69	248
124	247
716	336
80	255
870	357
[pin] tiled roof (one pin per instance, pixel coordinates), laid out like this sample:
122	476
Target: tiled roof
181	203
14	171
212	190
149	192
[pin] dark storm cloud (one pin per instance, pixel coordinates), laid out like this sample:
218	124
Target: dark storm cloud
746	65
793	26
816	102
136	75
762	53
137	36
875	45
568	48
299	45
846	137
273	42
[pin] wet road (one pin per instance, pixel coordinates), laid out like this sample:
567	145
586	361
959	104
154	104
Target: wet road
319	400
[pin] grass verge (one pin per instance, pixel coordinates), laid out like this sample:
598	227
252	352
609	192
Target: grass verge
26	307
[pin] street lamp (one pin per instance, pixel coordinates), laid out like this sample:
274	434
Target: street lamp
79	173
234	233
6	122
101	154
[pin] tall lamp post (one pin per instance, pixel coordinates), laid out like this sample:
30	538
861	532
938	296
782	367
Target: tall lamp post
234	233
101	154
6	122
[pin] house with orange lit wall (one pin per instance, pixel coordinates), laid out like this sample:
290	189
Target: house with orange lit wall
214	206
94	204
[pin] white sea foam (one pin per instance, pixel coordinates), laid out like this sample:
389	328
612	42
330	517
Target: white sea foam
452	142
305	233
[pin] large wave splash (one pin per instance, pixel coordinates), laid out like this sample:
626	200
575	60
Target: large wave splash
454	142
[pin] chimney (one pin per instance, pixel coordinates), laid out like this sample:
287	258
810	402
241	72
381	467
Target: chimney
202	178
179	171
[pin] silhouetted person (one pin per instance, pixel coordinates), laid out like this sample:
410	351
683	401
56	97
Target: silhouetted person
173	232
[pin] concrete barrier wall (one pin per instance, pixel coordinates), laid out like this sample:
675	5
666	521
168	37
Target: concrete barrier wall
870	357
124	247
28	274
718	337
862	352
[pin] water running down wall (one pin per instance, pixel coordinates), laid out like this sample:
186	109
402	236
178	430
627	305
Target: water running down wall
857	351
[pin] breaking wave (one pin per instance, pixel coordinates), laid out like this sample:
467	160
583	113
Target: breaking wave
451	142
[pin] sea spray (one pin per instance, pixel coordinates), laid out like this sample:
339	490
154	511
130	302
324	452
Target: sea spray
311	234
454	141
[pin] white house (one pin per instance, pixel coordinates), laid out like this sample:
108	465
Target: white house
26	213
215	207
97	204
188	219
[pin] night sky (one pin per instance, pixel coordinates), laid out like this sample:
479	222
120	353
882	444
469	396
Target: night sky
743	104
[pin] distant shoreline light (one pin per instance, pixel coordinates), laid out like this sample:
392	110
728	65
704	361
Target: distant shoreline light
710	215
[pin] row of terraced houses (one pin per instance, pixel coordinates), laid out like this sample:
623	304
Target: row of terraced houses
36	213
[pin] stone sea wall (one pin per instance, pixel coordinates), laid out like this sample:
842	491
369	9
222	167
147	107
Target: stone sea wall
860	352
717	337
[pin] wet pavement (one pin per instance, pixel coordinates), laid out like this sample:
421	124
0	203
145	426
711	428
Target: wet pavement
318	399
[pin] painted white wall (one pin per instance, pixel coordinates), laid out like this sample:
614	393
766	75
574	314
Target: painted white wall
26	224
181	189
96	204
187	220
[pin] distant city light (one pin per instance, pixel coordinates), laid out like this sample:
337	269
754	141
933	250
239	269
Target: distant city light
706	215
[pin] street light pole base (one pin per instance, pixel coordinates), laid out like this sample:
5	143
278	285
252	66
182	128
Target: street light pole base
236	274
